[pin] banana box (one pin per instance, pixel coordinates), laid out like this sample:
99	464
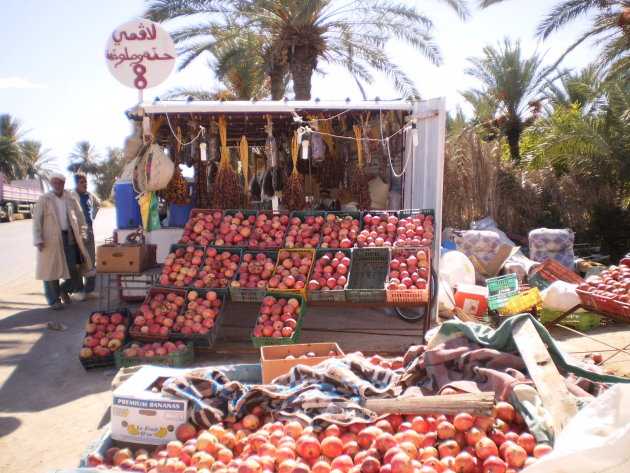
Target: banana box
140	413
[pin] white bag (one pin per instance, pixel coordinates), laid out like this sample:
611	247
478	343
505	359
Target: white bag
560	296
153	170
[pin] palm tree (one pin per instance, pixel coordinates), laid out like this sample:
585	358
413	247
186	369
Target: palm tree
83	158
107	171
10	135
36	162
299	34
513	85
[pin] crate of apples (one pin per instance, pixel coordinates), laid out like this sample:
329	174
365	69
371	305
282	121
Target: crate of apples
105	333
201	318
279	320
609	291
379	229
305	229
329	276
202	227
172	354
253	275
269	231
235	228
341	229
415	229
219	268
409	275
181	266
157	315
292	270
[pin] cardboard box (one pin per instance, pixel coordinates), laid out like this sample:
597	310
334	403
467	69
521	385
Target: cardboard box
140	413
121	258
274	362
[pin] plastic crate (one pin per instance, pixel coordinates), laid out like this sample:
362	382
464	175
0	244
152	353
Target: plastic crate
176	359
251	294
339	214
409	295
334	295
501	289
302	214
383	215
603	303
233	250
550	271
302	252
171	250
583	321
369	268
231	212
426	212
199	339
105	361
135	332
196	212
521	302
293	339
270	214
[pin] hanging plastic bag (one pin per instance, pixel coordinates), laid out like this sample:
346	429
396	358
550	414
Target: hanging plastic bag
154	214
144	201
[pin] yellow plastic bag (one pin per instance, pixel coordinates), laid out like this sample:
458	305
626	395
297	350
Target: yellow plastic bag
149	211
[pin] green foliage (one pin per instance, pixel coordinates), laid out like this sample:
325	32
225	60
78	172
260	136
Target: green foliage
83	158
107	171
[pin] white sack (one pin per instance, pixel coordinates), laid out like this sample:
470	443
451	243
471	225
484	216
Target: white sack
560	296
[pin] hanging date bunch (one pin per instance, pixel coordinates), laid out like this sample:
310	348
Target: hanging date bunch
359	185
294	195
176	192
225	192
330	173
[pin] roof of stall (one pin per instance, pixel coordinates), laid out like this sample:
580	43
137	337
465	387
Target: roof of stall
250	117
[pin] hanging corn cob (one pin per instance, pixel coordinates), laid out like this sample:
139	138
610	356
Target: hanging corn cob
244	152
330	173
294	195
359	184
176	192
225	193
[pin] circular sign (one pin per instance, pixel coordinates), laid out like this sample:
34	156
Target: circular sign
140	54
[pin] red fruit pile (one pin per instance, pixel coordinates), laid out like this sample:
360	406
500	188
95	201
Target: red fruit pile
292	270
105	334
218	269
408	269
340	232
268	232
254	271
378	230
304	233
415	230
202	227
181	267
200	313
330	272
395	444
235	230
277	318
158	313
613	282
153	349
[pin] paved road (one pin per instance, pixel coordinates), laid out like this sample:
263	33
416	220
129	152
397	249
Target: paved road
18	253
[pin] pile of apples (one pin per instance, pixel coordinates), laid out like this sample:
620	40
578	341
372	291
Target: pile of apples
255	271
277	318
200	313
613	283
105	334
235	230
340	232
408	269
397	443
158	313
268	232
153	349
218	269
304	234
330	272
292	270
202	228
181	267
415	230
378	230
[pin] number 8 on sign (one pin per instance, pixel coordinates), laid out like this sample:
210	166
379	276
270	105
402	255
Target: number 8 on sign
140	81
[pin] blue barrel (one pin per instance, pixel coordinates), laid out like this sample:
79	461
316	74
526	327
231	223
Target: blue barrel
127	207
178	215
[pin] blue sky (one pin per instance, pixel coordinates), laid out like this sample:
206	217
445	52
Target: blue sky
54	78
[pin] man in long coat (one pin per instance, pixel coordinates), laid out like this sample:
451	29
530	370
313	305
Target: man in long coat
60	233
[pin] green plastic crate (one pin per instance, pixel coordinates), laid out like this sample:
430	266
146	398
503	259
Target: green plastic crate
369	268
251	294
328	296
501	289
177	359
582	321
293	339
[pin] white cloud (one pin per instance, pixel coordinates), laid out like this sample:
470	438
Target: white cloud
18	83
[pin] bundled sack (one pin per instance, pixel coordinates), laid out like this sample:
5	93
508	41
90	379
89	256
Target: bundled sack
556	244
481	244
153	169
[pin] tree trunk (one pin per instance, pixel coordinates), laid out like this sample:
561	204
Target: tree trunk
276	81
513	135
302	66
